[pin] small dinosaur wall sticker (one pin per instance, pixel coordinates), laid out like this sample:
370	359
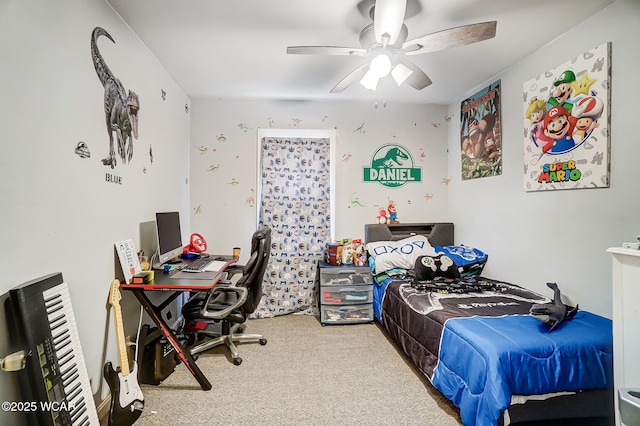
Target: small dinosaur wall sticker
213	168
244	127
82	150
202	149
346	158
359	129
221	138
120	107
251	200
355	202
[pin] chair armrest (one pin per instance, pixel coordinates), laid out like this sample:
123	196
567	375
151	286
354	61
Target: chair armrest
232	271
242	292
224	283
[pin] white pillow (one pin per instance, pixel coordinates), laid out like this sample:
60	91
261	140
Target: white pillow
399	254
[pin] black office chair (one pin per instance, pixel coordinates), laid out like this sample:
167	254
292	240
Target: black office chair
230	302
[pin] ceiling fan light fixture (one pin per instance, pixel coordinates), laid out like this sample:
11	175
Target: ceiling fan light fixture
381	65
386	38
370	80
401	73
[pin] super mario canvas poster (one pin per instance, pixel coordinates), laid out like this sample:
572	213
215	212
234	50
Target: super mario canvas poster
566	124
480	136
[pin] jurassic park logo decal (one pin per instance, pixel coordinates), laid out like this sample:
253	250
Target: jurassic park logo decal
392	166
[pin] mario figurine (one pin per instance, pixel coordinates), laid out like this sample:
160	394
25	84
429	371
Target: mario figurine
558	126
393	215
562	90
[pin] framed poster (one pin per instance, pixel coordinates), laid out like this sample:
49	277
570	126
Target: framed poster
566	124
480	136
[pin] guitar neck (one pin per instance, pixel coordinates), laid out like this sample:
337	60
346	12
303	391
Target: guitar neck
123	359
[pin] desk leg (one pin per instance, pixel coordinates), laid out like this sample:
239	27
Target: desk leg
184	354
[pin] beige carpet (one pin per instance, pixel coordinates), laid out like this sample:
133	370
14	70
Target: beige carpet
306	374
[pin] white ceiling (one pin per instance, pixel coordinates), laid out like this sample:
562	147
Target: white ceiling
237	48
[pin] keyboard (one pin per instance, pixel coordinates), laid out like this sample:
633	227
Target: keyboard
198	265
55	375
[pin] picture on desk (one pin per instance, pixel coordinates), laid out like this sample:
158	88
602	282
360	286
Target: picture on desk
129	261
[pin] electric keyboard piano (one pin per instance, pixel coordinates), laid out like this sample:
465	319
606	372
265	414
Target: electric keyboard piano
55	378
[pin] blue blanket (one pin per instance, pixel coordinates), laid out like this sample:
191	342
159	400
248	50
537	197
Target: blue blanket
483	361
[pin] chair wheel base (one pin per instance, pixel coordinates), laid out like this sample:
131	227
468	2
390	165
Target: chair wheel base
263	342
191	339
237	361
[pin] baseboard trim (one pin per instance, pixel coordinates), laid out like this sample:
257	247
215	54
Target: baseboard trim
103	409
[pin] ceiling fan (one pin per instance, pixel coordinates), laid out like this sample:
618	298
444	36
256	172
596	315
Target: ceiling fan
385	40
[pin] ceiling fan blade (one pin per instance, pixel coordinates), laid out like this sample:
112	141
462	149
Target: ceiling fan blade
452	37
325	50
416	79
388	18
351	78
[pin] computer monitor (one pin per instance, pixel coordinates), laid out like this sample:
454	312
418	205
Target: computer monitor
169	236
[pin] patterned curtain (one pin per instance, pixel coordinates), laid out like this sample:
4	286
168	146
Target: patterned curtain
295	203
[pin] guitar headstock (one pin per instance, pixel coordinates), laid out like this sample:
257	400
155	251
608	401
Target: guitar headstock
114	293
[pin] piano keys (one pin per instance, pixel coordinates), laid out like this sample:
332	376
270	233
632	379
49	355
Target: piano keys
42	322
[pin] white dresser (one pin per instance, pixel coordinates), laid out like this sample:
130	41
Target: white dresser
626	319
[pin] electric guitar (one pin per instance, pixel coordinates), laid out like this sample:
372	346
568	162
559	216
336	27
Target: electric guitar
127	400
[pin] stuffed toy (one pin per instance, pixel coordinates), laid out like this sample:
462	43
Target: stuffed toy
555	312
382	216
429	267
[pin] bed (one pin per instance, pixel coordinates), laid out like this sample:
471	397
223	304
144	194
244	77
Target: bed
474	339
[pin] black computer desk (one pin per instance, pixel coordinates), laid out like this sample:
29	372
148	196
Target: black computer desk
174	287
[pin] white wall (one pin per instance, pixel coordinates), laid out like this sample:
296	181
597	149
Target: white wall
222	212
536	237
59	214
59	208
